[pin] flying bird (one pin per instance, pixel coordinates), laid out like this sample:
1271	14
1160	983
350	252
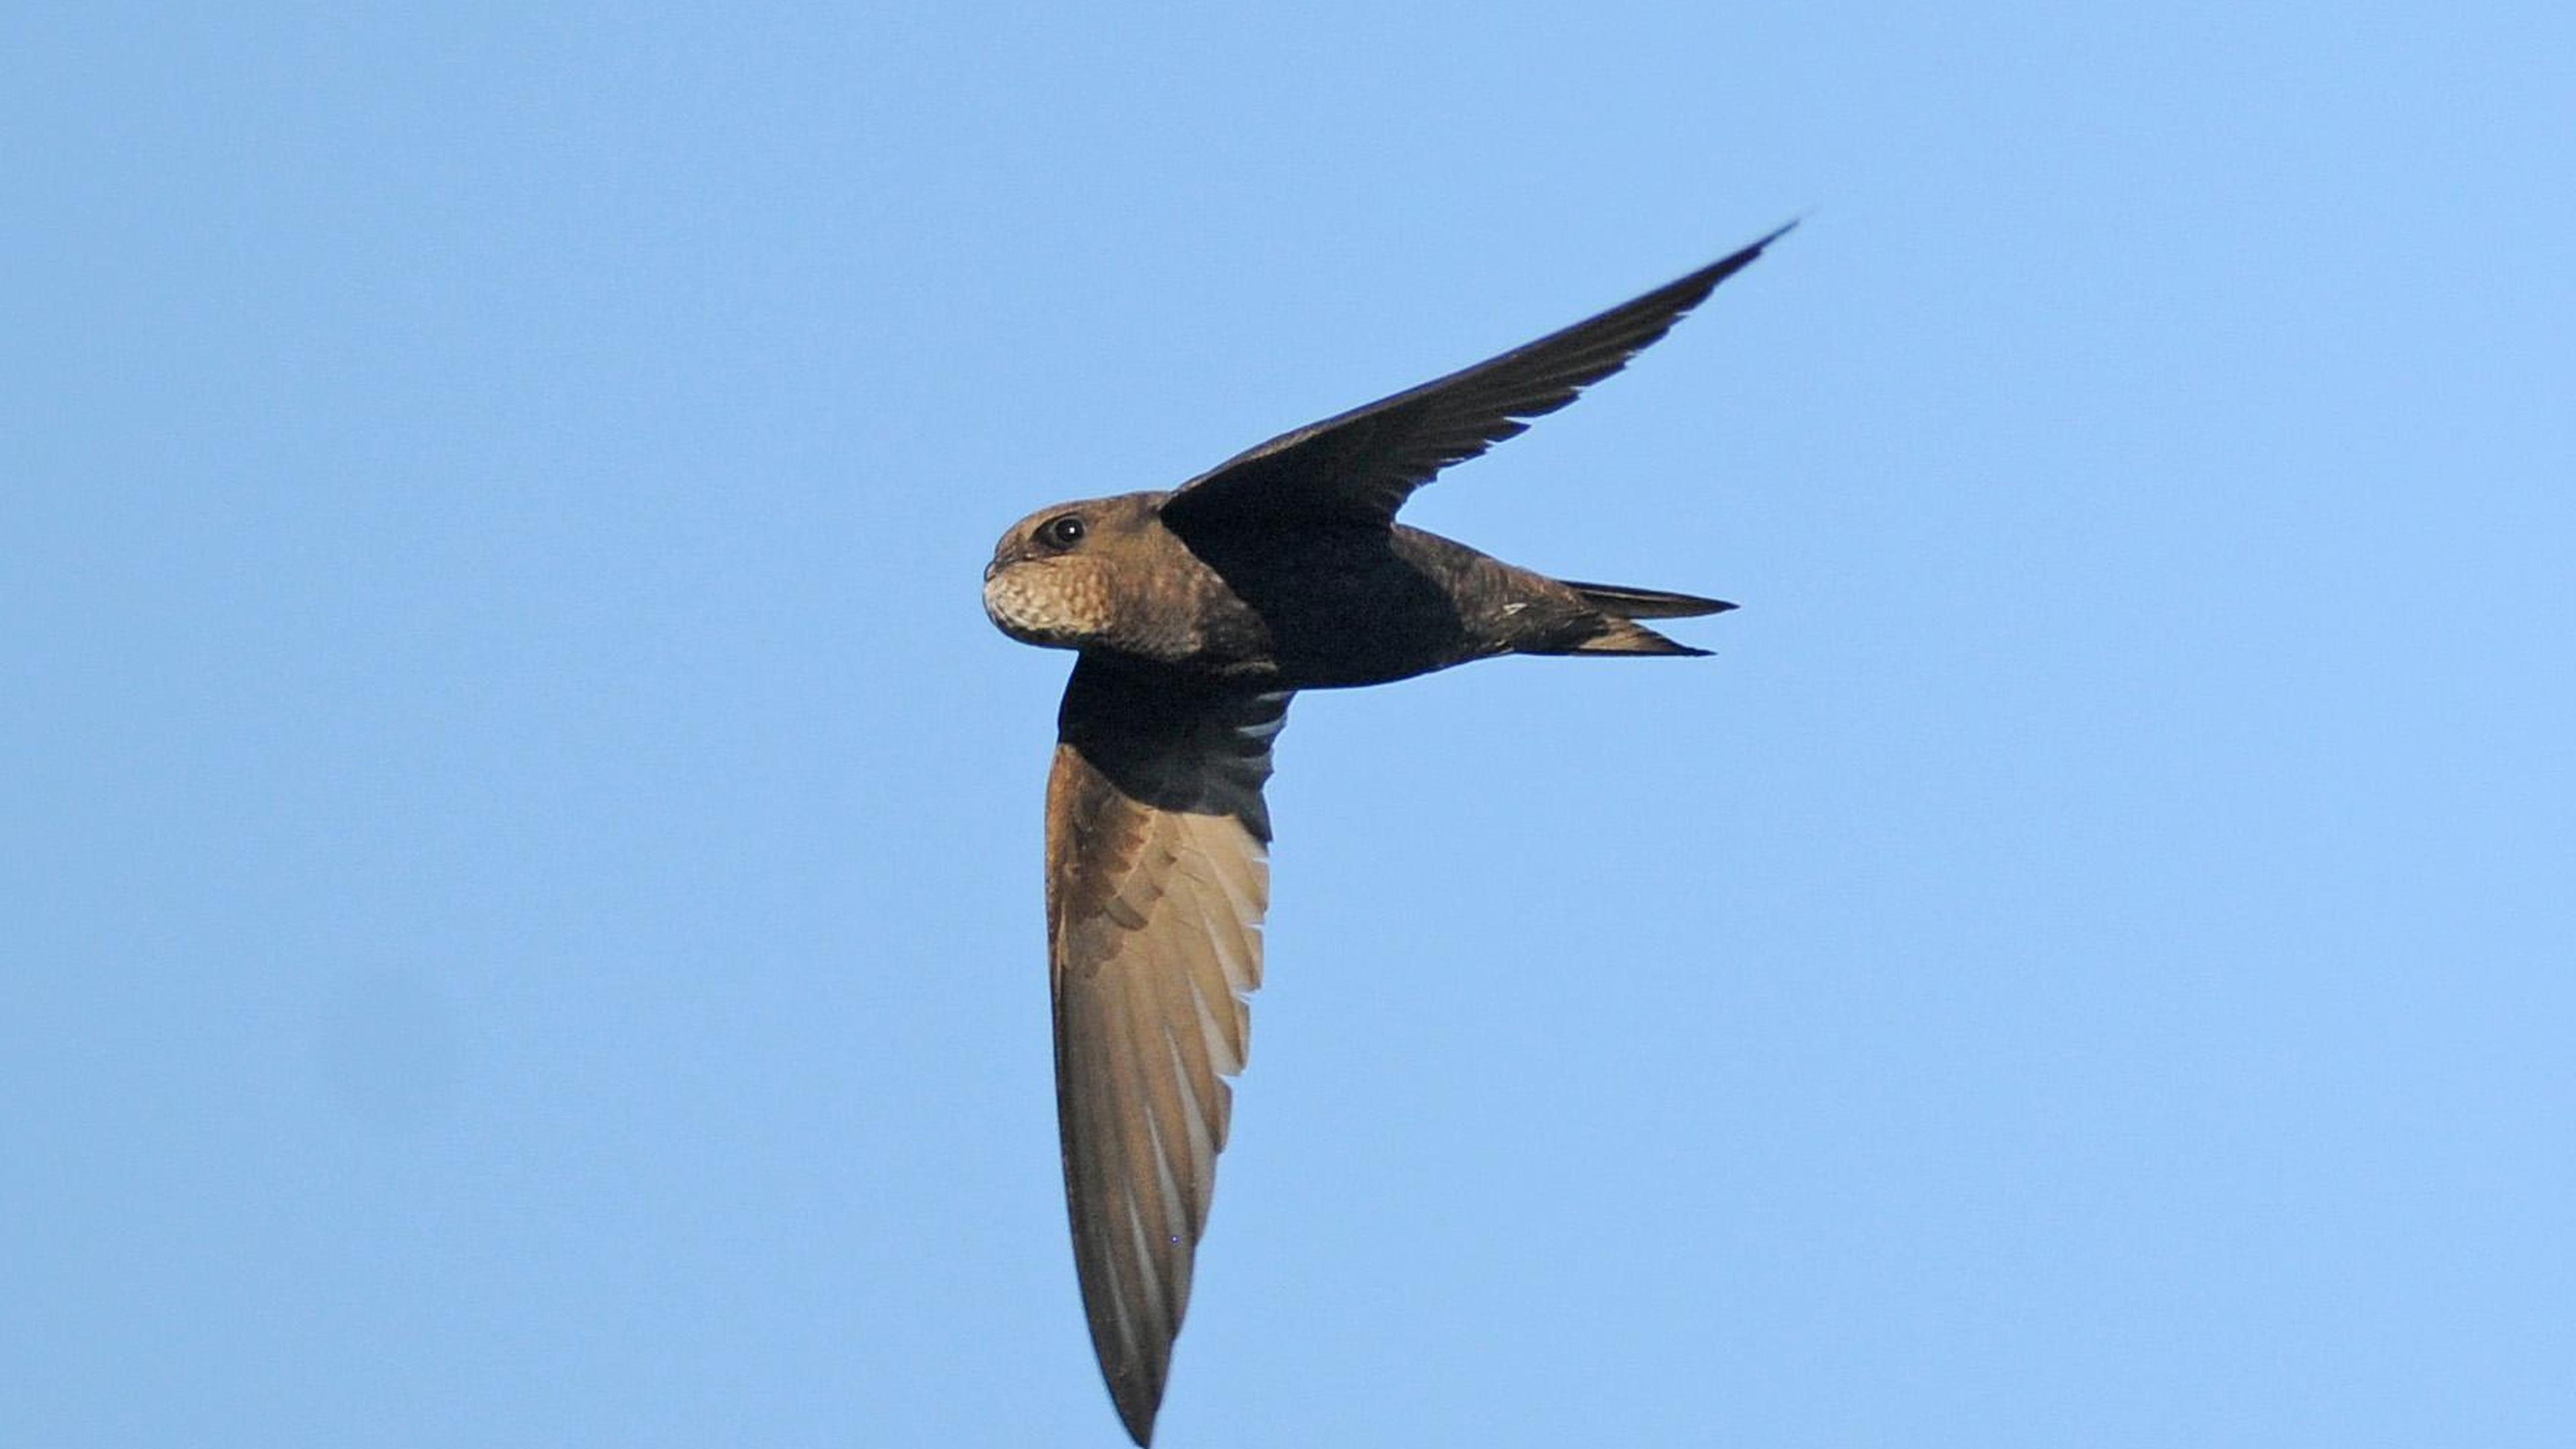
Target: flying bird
1197	614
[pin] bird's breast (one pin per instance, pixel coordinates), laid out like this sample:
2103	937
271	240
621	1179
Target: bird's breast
1334	607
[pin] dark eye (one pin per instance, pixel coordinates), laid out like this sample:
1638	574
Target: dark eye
1062	532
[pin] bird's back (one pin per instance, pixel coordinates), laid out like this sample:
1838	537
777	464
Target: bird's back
1346	606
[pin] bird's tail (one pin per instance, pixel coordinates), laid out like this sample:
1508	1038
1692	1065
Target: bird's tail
1621	606
1627	603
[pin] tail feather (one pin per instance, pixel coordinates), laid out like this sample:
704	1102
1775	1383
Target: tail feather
1618	636
1622	602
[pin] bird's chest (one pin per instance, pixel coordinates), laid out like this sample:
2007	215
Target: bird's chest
1337	618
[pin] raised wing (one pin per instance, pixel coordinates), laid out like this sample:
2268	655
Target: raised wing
1362	465
1157	877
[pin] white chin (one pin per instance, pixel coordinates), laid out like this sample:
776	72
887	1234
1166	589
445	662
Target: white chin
1018	612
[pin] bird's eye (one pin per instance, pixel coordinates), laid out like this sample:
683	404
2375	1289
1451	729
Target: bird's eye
1062	532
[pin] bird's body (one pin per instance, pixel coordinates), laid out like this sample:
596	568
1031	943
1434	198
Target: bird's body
1324	605
1198	613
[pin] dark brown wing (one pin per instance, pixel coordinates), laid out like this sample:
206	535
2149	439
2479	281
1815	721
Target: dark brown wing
1362	465
1157	877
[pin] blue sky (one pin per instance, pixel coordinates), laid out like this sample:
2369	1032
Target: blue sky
520	848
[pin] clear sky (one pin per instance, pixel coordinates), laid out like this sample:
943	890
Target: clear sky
519	848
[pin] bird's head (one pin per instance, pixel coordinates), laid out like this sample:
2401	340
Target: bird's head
1059	578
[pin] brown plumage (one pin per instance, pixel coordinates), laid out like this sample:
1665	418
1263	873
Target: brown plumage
1198	613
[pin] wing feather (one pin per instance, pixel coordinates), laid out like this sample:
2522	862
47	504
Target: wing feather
1361	465
1157	878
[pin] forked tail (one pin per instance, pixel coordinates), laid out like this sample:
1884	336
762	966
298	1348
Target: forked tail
1629	603
1622	605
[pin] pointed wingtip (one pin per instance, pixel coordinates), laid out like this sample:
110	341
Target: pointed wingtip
1707	278
1743	256
1136	1409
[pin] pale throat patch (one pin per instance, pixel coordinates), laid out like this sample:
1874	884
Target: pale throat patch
1055	606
